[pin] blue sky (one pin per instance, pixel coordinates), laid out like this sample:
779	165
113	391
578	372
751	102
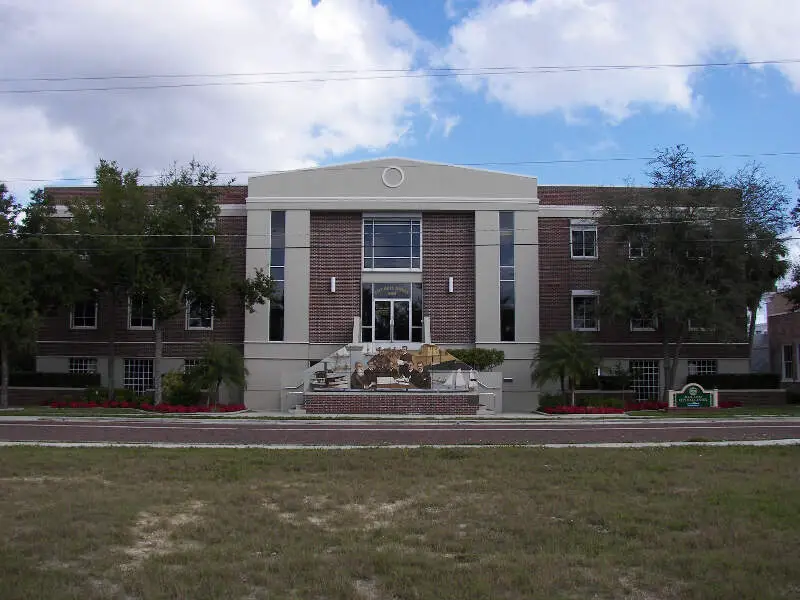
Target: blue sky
493	119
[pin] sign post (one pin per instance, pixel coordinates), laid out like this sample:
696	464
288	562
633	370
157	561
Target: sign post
693	396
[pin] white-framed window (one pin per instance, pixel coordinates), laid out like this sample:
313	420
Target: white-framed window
584	310
138	375
644	323
703	366
636	247
695	326
83	364
788	362
583	239
646	379
140	313
392	243
190	363
199	315
83	315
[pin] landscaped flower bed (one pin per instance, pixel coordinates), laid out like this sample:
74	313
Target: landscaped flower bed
146	406
629	407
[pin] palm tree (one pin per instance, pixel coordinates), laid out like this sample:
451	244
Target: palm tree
565	356
220	364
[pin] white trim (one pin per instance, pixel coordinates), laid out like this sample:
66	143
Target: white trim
584	227
130	314
83	327
654	328
393	168
582	294
188	327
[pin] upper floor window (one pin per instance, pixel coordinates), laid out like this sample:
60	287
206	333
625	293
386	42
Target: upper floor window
507	276
393	243
140	313
585	311
636	247
583	240
277	270
83	315
644	322
199	315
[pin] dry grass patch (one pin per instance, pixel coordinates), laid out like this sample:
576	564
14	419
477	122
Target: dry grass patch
511	523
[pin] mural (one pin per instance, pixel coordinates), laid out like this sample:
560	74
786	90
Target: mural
381	368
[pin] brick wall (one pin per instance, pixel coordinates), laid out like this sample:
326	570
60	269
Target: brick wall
335	252
784	329
374	403
57	339
448	250
559	274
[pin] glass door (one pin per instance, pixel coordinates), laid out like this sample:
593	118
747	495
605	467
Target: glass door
401	320
392	320
383	320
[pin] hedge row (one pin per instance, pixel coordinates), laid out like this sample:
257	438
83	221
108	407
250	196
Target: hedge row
65	380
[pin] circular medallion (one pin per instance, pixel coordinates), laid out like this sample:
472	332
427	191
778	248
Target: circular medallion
393	177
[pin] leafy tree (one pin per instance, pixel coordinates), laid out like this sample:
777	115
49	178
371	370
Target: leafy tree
688	265
220	363
765	204
109	231
183	262
564	357
18	316
481	359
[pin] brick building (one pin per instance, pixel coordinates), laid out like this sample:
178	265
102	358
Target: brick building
402	252
783	331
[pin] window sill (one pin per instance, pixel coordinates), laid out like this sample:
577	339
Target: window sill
82	328
641	329
584	329
584	258
199	329
415	270
131	328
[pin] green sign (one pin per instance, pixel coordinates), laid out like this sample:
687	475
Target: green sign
693	396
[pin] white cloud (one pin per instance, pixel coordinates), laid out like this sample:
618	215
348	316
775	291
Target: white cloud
264	127
616	32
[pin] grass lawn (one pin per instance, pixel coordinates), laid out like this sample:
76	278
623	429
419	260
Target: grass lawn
390	524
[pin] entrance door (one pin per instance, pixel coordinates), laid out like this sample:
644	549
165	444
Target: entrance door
392	320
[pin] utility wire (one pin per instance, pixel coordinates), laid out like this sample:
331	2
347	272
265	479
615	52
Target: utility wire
517	163
360	75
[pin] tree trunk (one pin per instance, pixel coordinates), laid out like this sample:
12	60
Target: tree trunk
4	374
751	329
112	348
665	361
672	374
159	351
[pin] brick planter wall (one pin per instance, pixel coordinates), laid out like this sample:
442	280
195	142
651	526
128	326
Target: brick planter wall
366	403
35	396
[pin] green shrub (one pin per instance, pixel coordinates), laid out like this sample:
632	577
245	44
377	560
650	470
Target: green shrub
66	380
180	389
549	400
600	402
480	359
100	394
737	381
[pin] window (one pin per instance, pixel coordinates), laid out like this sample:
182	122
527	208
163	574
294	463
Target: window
583	240
277	267
140	313
788	362
393	243
138	375
190	363
507	276
646	379
84	315
644	323
584	311
199	315
83	365
703	367
636	247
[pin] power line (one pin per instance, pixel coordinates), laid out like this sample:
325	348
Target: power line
513	163
375	74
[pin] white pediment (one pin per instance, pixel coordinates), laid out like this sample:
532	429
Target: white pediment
393	178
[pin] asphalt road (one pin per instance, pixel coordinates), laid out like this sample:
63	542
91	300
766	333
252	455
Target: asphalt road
375	432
